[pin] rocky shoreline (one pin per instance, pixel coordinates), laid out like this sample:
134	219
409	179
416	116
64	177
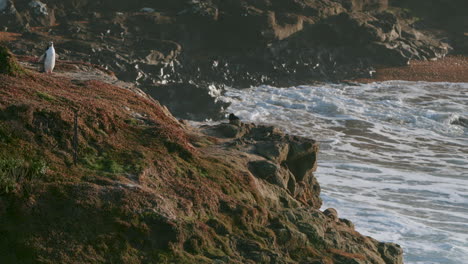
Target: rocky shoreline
190	48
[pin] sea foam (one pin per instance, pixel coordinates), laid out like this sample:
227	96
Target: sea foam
391	159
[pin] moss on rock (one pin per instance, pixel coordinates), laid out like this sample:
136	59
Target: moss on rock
8	63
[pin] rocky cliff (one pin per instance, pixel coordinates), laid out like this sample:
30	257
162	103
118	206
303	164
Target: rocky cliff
177	49
92	170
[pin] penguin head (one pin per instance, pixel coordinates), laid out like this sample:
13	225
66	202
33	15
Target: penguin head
51	44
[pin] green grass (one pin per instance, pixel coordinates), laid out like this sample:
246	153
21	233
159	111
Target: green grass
45	96
6	136
15	170
103	163
17	165
113	162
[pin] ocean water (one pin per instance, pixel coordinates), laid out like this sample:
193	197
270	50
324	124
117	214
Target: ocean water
391	160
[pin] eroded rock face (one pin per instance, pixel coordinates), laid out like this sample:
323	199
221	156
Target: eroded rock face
285	161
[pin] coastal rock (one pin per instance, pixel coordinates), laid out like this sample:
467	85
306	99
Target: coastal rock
286	161
391	253
270	172
331	213
274	151
189	101
461	121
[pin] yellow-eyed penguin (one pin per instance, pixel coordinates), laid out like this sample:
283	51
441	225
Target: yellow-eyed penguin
49	58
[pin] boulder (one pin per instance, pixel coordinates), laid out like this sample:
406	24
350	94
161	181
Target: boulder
274	151
331	213
391	252
302	157
461	121
270	172
39	14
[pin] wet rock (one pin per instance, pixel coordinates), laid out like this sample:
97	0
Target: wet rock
391	253
262	133
461	121
189	101
234	120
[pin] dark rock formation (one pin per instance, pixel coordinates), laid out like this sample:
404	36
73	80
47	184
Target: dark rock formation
461	121
446	19
189	101
161	45
289	161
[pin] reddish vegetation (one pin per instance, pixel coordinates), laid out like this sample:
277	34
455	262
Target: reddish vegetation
449	69
141	192
8	36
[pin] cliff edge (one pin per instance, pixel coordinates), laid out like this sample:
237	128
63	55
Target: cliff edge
94	171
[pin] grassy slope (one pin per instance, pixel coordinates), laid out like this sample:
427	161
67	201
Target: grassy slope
124	140
140	193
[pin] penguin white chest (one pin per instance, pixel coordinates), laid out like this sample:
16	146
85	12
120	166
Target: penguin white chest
49	61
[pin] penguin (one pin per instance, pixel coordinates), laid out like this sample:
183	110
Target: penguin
49	58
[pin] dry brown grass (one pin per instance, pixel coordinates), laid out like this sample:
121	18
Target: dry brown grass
9	36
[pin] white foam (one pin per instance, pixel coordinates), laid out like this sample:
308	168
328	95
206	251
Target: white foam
390	161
